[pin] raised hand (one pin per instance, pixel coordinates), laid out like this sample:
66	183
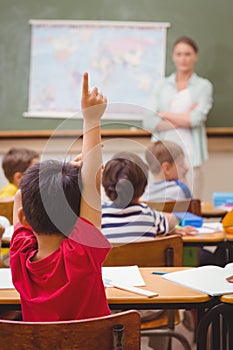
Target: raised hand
93	103
77	161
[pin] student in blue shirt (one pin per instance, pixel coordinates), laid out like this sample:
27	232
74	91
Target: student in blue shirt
166	162
180	107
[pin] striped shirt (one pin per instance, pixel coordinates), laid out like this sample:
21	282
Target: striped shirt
133	223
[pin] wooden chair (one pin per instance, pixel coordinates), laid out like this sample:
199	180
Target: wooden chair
103	333
6	208
162	251
191	205
215	328
208	210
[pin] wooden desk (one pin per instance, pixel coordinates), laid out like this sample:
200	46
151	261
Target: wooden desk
228	298
208	210
169	292
211	239
9	297
204	239
171	295
229	237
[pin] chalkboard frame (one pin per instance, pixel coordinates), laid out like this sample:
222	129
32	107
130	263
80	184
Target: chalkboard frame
194	19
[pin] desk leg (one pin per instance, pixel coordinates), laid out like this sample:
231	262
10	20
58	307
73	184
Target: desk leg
229	251
171	320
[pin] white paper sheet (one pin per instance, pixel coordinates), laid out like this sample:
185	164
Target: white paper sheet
210	227
8	233
5	279
125	275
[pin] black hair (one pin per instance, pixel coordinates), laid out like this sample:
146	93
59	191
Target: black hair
124	178
51	194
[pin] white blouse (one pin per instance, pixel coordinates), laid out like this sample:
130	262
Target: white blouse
181	103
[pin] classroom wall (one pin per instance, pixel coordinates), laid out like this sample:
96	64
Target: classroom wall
209	22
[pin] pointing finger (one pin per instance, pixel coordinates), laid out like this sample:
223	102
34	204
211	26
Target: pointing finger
85	84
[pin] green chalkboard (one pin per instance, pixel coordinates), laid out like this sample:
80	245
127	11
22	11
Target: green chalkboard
209	22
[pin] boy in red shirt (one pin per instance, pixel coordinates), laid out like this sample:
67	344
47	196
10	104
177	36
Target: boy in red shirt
57	249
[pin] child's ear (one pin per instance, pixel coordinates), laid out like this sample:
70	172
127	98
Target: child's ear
17	177
165	167
22	218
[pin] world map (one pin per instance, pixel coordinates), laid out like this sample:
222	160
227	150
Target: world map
125	62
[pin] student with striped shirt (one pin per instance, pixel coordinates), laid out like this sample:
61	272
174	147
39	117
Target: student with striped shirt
126	219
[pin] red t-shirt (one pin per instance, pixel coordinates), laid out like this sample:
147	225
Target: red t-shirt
67	284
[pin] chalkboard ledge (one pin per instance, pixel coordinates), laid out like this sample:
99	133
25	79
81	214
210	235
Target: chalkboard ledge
71	133
211	132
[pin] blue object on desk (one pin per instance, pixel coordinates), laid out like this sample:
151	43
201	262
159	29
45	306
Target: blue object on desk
188	219
221	198
158	273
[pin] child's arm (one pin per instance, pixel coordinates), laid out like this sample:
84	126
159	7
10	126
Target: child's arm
93	105
185	231
181	231
17	205
172	221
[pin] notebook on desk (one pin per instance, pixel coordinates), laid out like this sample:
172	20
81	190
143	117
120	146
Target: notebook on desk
208	279
210	227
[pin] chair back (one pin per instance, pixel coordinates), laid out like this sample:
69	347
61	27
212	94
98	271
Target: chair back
161	251
191	205
91	334
6	208
215	328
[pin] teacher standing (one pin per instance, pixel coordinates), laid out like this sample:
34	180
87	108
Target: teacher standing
181	104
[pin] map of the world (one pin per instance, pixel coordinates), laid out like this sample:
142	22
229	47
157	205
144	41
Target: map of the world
124	61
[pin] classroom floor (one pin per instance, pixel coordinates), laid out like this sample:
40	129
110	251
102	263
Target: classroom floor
176	345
